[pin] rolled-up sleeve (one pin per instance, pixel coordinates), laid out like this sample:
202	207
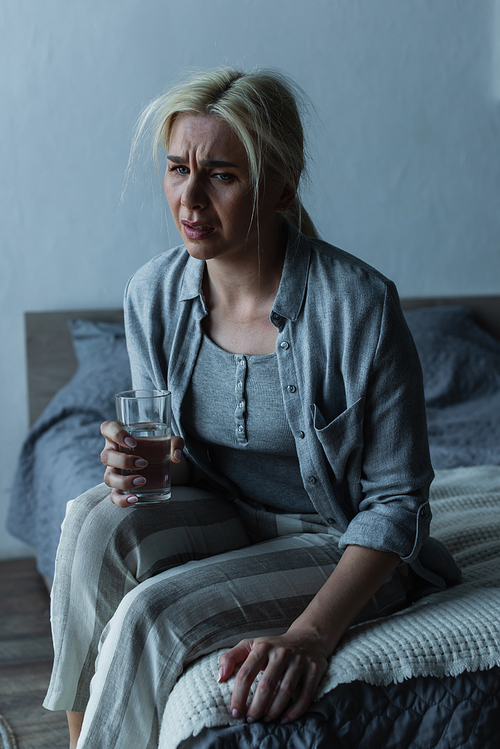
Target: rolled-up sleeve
400	525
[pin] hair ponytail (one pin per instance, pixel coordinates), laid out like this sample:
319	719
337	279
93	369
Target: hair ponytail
299	217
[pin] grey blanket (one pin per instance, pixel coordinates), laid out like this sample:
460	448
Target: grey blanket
461	366
59	459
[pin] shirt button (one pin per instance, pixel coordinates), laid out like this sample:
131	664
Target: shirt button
301	435
331	521
291	388
312	479
240	429
242	404
240	384
284	344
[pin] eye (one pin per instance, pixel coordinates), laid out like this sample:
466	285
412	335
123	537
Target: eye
177	169
224	176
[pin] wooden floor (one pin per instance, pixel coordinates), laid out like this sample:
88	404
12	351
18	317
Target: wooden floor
26	658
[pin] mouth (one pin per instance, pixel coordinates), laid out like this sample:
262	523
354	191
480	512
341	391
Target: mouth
194	230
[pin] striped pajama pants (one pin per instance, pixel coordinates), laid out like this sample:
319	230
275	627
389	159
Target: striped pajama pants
140	593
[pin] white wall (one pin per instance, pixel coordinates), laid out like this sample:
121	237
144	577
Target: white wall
405	167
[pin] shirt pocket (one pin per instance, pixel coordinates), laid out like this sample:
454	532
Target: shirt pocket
342	441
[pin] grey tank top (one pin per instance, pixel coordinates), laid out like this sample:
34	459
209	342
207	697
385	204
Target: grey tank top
234	405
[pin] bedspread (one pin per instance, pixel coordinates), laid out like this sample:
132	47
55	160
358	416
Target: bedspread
446	634
428	713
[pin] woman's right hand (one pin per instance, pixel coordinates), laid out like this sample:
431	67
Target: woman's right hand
123	487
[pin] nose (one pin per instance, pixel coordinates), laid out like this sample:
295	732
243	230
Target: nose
194	195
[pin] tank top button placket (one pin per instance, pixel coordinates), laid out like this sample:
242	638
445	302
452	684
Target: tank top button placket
240	393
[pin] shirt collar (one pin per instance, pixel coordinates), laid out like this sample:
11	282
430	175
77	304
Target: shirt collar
291	290
192	279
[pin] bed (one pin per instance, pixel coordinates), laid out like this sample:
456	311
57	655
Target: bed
428	676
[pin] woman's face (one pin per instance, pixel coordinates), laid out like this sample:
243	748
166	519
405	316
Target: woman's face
207	184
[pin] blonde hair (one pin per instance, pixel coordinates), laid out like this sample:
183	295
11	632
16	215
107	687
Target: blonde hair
261	107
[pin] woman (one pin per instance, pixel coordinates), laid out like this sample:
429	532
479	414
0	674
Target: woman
300	468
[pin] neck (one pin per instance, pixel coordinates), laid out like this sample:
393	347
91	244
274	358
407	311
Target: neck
248	282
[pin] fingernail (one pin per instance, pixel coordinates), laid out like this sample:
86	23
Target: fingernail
130	442
221	674
267	719
141	463
236	713
139	481
132	500
250	720
177	454
285	721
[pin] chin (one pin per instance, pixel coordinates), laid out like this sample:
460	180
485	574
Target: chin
200	251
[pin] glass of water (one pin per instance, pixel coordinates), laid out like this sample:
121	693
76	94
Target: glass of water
145	414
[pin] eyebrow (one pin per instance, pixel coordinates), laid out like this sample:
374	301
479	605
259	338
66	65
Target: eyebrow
204	162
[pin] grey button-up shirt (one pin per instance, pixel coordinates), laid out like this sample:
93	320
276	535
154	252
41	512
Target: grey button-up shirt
350	376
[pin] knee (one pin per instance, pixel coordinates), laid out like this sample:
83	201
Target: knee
96	498
89	519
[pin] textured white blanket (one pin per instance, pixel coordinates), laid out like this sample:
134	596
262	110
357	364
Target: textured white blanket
446	634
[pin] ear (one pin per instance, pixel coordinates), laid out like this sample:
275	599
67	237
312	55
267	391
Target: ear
286	197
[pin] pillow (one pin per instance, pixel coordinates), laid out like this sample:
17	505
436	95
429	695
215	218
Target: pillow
460	361
88	336
103	369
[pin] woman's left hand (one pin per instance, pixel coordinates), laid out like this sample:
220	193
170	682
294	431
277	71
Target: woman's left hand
293	667
295	662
